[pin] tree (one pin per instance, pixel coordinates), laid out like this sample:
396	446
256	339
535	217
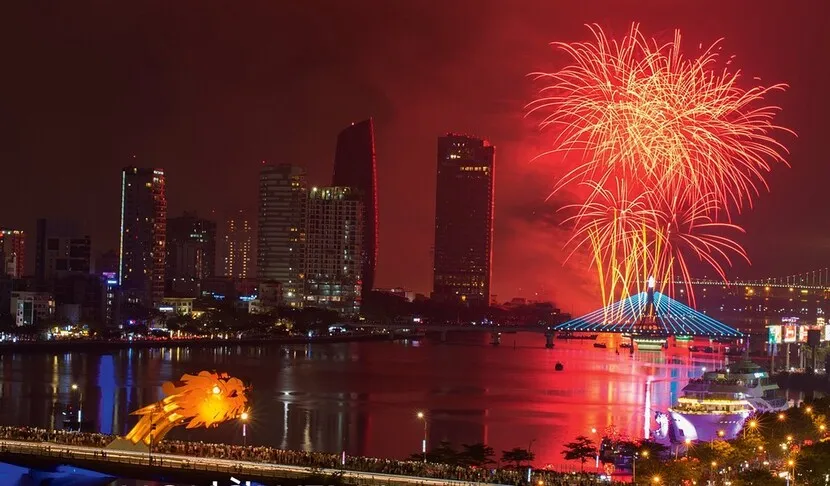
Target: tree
517	455
757	477
478	454
580	450
719	451
681	471
747	448
443	454
655	449
813	463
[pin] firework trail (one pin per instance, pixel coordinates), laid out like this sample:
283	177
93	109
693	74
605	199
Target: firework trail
665	149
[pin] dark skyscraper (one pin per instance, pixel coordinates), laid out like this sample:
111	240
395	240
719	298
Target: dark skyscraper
464	219
191	247
61	249
354	166
143	234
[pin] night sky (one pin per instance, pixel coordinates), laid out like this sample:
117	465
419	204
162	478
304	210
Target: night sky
207	90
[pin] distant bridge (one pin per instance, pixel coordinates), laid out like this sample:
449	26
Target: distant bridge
436	328
495	330
813	280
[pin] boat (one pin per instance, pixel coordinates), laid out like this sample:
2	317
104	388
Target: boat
717	404
559	366
600	345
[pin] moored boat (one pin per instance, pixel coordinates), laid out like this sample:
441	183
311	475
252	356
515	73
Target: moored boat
717	404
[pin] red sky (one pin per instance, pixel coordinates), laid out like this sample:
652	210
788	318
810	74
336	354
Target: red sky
208	90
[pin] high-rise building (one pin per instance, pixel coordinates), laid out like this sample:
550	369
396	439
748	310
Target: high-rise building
30	308
355	167
237	250
12	252
191	247
61	249
143	235
281	237
464	219
110	301
334	264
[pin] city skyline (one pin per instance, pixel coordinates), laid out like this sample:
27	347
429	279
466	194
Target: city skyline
481	90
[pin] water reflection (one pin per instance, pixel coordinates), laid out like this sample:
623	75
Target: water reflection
363	397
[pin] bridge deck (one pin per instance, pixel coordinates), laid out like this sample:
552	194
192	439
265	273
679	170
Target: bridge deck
109	459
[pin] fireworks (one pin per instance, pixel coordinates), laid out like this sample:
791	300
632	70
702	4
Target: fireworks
666	149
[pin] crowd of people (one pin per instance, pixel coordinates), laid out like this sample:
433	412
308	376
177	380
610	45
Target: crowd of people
317	460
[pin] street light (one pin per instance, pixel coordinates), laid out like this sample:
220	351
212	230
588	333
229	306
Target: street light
687	442
719	435
76	388
808	410
244	418
422	416
594	431
791	465
656	479
781	417
752	424
634	465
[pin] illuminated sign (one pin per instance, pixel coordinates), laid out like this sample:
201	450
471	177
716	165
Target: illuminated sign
802	332
790	333
775	335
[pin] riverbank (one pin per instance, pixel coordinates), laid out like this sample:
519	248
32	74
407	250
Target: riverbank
74	345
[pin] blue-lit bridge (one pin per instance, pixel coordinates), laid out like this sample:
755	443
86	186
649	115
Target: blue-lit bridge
650	313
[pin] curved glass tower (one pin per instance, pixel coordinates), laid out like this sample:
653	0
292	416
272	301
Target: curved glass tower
354	166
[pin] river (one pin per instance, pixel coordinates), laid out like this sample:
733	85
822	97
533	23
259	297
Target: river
364	396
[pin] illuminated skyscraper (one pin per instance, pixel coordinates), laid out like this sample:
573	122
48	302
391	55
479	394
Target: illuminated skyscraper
464	219
12	252
333	263
281	228
143	235
355	167
238	246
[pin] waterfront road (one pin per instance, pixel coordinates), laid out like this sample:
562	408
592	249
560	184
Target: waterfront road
89	457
